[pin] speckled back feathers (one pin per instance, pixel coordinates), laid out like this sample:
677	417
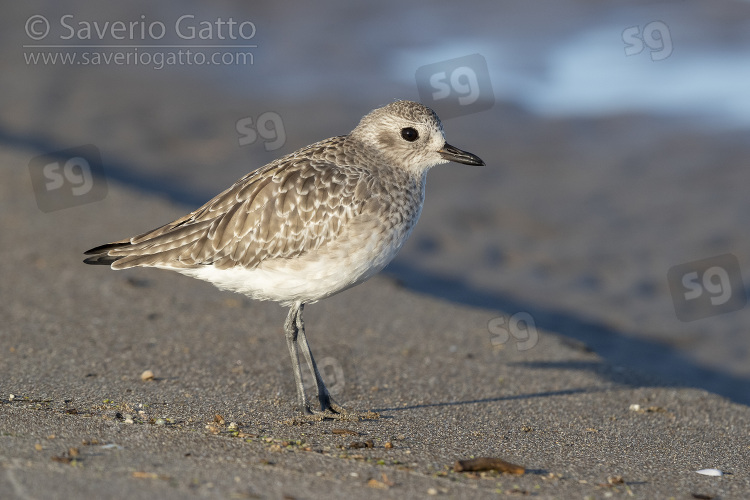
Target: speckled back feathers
302	202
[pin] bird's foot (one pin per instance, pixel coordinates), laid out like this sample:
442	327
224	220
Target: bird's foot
332	411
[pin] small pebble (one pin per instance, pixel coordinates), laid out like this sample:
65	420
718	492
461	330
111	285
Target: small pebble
160	421
112	446
635	407
432	491
11	397
232	426
362	444
147	375
710	472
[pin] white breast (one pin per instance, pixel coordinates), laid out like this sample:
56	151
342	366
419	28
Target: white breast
364	248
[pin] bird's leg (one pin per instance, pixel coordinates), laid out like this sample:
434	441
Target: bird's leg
324	397
328	407
292	333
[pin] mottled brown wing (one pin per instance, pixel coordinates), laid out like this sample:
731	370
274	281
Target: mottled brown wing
283	210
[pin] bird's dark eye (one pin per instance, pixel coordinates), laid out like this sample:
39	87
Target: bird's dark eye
409	134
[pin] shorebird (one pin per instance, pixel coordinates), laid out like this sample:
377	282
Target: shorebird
306	226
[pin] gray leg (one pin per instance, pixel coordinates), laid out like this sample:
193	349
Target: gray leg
324	397
294	328
291	331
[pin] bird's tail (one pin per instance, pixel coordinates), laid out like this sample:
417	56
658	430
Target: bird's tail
100	255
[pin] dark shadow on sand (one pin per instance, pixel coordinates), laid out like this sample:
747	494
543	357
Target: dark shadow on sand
515	397
619	348
114	170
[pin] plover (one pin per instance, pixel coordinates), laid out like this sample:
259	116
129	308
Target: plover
308	225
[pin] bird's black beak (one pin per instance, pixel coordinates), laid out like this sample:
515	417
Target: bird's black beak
451	153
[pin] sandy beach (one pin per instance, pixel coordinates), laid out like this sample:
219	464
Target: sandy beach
531	317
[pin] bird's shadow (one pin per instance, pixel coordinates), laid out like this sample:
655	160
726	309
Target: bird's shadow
491	400
654	363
